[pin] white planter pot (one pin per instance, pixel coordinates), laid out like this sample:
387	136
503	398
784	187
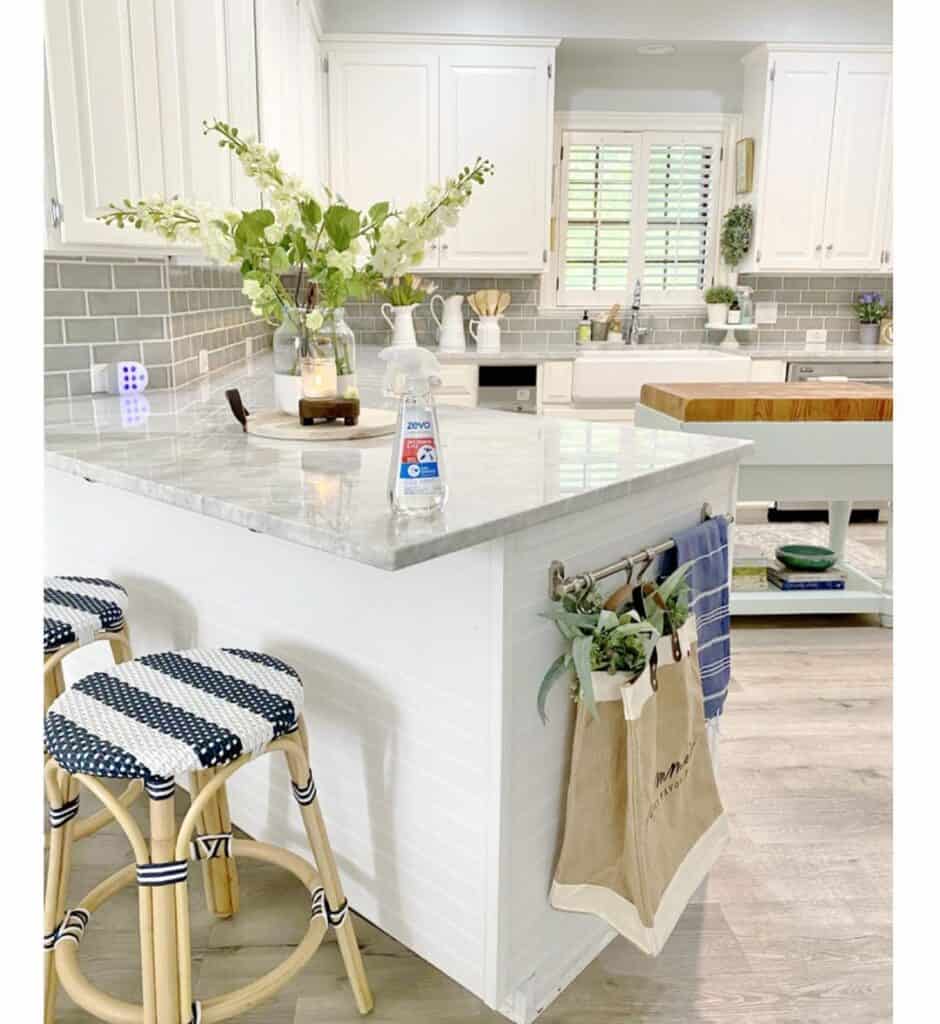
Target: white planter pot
402	324
717	313
288	391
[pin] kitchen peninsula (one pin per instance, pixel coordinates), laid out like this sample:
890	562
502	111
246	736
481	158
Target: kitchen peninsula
420	643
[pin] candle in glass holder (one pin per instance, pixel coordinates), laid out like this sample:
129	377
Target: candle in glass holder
318	377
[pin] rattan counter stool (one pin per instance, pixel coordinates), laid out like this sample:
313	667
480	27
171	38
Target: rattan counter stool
78	610
205	712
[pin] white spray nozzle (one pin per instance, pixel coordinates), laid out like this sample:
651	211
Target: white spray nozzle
408	367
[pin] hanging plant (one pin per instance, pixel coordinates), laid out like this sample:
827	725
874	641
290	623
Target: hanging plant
736	230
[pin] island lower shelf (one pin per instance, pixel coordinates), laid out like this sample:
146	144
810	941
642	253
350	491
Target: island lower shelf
442	790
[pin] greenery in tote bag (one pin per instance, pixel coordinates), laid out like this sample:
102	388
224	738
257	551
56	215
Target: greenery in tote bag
601	640
736	230
720	295
345	253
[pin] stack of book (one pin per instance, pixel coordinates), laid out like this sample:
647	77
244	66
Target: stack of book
749	569
805	579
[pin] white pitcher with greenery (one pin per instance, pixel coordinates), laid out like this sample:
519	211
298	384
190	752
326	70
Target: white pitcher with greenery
346	253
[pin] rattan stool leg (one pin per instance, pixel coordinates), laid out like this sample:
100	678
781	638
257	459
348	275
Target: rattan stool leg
163	903
326	865
57	878
220	875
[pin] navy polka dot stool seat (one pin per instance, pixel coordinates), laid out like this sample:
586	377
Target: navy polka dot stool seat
164	714
75	608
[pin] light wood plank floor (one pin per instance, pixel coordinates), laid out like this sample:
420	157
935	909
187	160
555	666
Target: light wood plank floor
792	926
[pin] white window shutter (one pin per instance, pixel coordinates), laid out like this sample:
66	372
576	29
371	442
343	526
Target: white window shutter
681	190
597	214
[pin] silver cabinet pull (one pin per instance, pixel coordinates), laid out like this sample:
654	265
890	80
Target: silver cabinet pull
887	255
56	211
819	247
829	247
444	247
433	246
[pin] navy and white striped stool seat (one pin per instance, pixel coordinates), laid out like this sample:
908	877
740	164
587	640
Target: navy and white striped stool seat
178	711
77	607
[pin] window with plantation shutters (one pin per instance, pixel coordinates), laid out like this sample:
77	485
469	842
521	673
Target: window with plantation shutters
636	206
598	209
680	186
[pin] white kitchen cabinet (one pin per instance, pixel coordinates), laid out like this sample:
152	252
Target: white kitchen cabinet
821	119
289	87
860	163
494	103
384	142
793	199
404	116
556	381
130	83
887	232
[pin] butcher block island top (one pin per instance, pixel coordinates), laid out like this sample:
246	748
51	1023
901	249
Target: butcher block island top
782	403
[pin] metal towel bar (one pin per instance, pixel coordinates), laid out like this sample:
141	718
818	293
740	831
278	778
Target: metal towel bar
559	584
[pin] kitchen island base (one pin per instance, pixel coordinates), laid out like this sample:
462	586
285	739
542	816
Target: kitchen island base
443	793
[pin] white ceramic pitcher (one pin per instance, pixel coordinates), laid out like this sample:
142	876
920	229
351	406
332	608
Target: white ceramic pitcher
486	333
450	334
403	326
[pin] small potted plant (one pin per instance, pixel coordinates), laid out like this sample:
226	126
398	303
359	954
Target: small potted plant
603	643
870	311
403	294
717	303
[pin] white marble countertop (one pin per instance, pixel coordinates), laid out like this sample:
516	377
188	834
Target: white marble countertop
505	471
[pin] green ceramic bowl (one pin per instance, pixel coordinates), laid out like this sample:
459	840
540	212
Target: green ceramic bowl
806	556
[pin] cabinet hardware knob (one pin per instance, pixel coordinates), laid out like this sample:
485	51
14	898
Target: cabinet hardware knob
55	209
433	246
829	247
819	247
887	255
444	247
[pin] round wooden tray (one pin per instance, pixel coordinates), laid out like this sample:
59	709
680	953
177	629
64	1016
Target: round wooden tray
281	426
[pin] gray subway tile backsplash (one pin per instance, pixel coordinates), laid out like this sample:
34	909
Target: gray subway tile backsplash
138	277
84	275
104	303
109	308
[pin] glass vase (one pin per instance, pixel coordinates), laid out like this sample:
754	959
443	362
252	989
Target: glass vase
304	362
343	341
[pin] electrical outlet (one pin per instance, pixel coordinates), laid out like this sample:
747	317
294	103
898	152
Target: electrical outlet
99	377
817	337
203	360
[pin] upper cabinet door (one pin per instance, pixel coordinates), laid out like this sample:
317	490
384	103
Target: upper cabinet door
383	123
105	125
130	83
859	169
207	71
791	209
495	104
289	87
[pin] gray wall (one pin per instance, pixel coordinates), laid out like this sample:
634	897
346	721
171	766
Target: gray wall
757	21
611	76
106	309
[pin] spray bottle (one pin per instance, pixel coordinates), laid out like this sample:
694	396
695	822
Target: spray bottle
416	476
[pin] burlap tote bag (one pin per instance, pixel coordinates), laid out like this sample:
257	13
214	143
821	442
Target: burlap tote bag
644	823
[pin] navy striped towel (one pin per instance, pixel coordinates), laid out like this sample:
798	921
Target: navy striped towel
706	547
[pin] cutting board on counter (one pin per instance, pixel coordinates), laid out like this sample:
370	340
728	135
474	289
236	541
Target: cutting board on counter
782	403
281	426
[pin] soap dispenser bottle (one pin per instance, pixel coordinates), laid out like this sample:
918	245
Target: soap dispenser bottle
416	475
584	328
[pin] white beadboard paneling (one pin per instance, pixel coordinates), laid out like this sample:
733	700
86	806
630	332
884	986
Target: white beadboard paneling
540	946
